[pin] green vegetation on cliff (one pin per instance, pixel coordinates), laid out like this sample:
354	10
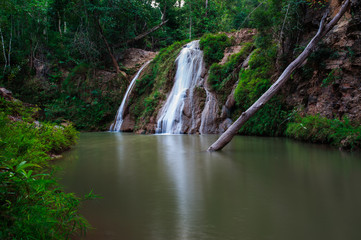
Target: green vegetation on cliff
32	204
317	129
222	77
253	82
213	46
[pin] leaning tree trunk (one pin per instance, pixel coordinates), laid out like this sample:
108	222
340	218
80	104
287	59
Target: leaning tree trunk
227	136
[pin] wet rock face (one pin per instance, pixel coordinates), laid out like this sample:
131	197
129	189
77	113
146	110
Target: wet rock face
334	89
192	111
128	124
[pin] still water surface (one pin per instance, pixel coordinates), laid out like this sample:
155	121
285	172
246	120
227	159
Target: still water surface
164	187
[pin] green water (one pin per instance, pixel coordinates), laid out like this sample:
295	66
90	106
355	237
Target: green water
168	187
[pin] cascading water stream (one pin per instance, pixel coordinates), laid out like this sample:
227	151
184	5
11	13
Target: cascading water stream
189	69
118	121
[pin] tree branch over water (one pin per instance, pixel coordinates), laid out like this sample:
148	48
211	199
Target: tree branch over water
323	29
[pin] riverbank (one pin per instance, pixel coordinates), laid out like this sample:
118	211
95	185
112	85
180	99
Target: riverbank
32	204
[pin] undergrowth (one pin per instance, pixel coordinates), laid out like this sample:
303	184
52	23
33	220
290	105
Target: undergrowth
85	100
32	204
318	129
86	97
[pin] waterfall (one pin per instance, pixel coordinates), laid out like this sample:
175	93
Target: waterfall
189	69
116	126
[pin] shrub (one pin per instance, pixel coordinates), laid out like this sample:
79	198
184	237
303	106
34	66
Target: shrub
32	204
213	46
317	129
331	78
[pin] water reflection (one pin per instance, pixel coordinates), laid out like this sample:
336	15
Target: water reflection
167	187
185	189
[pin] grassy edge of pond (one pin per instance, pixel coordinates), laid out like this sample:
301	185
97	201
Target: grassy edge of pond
32	204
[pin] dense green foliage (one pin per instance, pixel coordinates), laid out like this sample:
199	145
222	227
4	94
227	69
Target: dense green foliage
221	76
253	82
256	79
76	31
317	129
85	99
213	46
50	49
32	204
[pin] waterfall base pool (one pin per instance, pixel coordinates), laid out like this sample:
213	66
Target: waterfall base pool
157	187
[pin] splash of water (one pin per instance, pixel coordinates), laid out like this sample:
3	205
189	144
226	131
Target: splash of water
118	121
189	69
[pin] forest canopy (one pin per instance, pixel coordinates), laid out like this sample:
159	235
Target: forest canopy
74	31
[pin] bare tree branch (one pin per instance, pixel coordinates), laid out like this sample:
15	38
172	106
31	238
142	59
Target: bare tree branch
140	36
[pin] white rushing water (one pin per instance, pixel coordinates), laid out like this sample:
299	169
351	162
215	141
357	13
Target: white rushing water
189	69
118	121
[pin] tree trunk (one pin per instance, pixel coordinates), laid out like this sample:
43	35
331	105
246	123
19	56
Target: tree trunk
227	136
3	45
283	24
59	25
206	7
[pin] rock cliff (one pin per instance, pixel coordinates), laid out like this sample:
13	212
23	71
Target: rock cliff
329	83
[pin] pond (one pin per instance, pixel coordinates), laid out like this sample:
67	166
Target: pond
156	187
